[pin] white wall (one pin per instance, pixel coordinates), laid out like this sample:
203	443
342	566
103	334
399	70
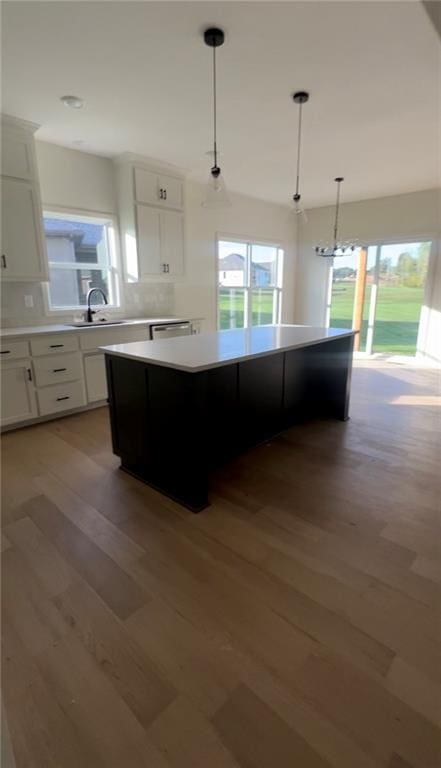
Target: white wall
398	218
73	179
247	217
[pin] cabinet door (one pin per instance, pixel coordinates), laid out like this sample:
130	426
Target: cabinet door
96	382
17	156
149	256
146	186
172	192
172	242
17	393
22	246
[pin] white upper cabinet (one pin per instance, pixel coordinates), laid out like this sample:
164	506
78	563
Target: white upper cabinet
157	189
23	247
151	214
22	256
17	160
160	238
172	192
171	225
148	240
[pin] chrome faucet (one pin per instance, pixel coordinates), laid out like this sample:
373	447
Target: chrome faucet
90	311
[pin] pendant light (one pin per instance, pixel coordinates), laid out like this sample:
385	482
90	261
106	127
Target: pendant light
300	98
216	194
336	248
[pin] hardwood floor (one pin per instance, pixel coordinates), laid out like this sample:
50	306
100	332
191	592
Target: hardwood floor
293	624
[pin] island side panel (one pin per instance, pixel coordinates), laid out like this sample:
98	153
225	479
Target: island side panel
261	398
159	427
127	396
295	387
223	414
328	378
177	424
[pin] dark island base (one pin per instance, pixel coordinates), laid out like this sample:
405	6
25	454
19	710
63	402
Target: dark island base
170	427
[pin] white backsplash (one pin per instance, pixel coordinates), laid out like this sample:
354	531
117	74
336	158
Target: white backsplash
140	300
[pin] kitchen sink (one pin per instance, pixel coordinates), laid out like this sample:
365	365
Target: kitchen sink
97	324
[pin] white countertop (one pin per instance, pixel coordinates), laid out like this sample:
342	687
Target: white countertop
37	330
211	350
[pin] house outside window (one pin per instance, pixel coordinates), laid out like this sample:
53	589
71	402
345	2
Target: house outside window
249	283
81	255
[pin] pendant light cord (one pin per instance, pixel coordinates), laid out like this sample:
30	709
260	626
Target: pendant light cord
214	107
299	140
337	206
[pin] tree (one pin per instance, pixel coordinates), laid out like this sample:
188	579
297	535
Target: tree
406	271
423	253
386	266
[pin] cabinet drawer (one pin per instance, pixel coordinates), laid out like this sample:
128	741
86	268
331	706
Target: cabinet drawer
52	345
13	350
51	370
61	397
102	338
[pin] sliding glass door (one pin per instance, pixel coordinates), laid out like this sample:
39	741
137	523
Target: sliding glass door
379	290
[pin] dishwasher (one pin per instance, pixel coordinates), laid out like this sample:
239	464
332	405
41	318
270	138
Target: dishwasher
168	330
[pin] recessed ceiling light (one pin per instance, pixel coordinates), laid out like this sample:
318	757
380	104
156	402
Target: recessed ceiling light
72	101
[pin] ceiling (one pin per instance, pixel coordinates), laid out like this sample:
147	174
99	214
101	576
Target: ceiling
372	69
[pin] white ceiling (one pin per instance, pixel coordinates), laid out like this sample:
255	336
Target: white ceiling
372	69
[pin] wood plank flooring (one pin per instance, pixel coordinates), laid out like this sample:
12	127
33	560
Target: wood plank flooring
293	624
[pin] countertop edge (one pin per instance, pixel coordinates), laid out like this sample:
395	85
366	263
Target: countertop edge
221	363
34	330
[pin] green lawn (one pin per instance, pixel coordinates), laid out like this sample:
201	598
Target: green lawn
396	324
231	312
397	316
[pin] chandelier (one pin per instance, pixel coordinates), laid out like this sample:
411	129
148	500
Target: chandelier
337	247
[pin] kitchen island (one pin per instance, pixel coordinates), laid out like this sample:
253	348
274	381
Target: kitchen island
182	406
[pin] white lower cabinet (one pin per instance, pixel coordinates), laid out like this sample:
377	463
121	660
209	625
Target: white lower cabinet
57	368
17	393
95	375
52	373
61	397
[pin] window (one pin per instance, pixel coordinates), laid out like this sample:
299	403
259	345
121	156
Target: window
249	283
81	255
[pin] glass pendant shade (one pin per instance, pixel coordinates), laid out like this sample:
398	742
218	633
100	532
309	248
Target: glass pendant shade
216	195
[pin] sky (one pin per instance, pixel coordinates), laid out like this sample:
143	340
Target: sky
260	254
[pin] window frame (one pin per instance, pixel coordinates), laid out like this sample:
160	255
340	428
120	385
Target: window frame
248	289
76	214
